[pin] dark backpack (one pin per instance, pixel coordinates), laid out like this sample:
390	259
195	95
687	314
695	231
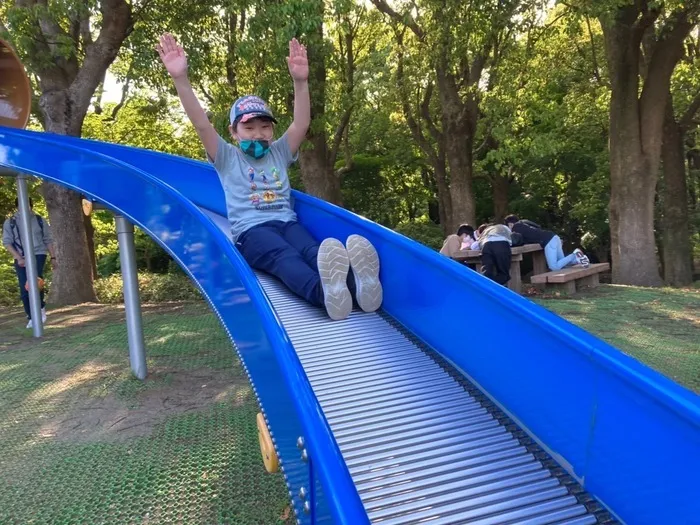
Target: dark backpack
17	238
516	239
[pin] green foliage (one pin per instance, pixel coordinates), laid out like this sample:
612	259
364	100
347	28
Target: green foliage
153	288
385	192
543	101
8	194
424	232
105	233
146	122
9	292
548	118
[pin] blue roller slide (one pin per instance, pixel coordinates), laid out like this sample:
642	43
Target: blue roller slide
395	416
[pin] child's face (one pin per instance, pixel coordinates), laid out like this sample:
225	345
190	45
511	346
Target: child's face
253	129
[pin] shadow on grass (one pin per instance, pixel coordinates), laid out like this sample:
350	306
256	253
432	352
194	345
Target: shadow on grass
660	327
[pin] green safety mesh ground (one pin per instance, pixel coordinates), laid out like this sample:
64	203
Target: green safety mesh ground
660	327
82	442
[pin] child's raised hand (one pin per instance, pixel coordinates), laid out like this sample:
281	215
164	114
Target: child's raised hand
172	55
297	61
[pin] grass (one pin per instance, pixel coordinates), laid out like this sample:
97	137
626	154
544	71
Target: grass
660	327
85	442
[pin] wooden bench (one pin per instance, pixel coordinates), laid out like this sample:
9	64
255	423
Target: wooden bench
572	278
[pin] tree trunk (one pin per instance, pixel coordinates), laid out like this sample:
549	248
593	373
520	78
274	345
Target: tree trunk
694	173
318	177
632	183
317	166
636	127
444	199
632	219
90	236
73	274
72	282
500	187
677	254
68	81
458	137
458	150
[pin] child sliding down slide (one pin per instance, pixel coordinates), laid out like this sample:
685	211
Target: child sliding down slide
254	178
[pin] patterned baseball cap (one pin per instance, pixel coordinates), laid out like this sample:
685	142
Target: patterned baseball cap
250	107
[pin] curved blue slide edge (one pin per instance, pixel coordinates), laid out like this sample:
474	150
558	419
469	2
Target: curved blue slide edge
208	257
628	433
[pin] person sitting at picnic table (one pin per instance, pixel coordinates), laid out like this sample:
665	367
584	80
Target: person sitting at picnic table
462	240
495	242
532	233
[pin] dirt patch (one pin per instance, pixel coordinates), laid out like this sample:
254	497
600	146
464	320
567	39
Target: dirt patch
164	394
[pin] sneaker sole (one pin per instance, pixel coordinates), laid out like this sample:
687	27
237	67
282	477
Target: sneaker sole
582	258
333	267
364	262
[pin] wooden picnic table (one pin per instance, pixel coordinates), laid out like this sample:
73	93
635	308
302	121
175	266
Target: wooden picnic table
539	263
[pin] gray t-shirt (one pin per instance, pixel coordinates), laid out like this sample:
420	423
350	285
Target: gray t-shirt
256	191
41	237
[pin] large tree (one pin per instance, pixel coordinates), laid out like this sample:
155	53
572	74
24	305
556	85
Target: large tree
461	42
643	43
337	35
67	48
682	105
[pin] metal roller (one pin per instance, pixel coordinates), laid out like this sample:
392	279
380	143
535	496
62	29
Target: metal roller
418	445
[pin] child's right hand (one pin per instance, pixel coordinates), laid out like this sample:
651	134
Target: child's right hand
172	55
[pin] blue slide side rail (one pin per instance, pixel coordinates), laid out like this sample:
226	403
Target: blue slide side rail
630	435
232	290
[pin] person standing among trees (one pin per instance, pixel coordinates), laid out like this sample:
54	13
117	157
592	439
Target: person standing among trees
43	245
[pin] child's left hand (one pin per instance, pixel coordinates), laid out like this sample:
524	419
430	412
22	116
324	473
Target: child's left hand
297	61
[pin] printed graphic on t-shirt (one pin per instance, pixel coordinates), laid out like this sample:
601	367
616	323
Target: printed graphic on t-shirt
251	176
264	200
256	190
276	176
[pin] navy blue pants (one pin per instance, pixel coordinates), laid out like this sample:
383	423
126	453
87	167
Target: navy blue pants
495	258
287	251
22	279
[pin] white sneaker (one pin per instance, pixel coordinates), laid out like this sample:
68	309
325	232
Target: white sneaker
364	262
29	324
581	258
43	315
333	267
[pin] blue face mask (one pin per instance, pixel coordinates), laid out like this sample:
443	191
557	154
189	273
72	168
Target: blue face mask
255	148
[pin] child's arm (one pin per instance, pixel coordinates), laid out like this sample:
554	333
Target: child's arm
299	70
175	61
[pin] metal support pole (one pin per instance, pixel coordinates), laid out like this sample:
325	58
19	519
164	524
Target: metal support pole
132	304
29	255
